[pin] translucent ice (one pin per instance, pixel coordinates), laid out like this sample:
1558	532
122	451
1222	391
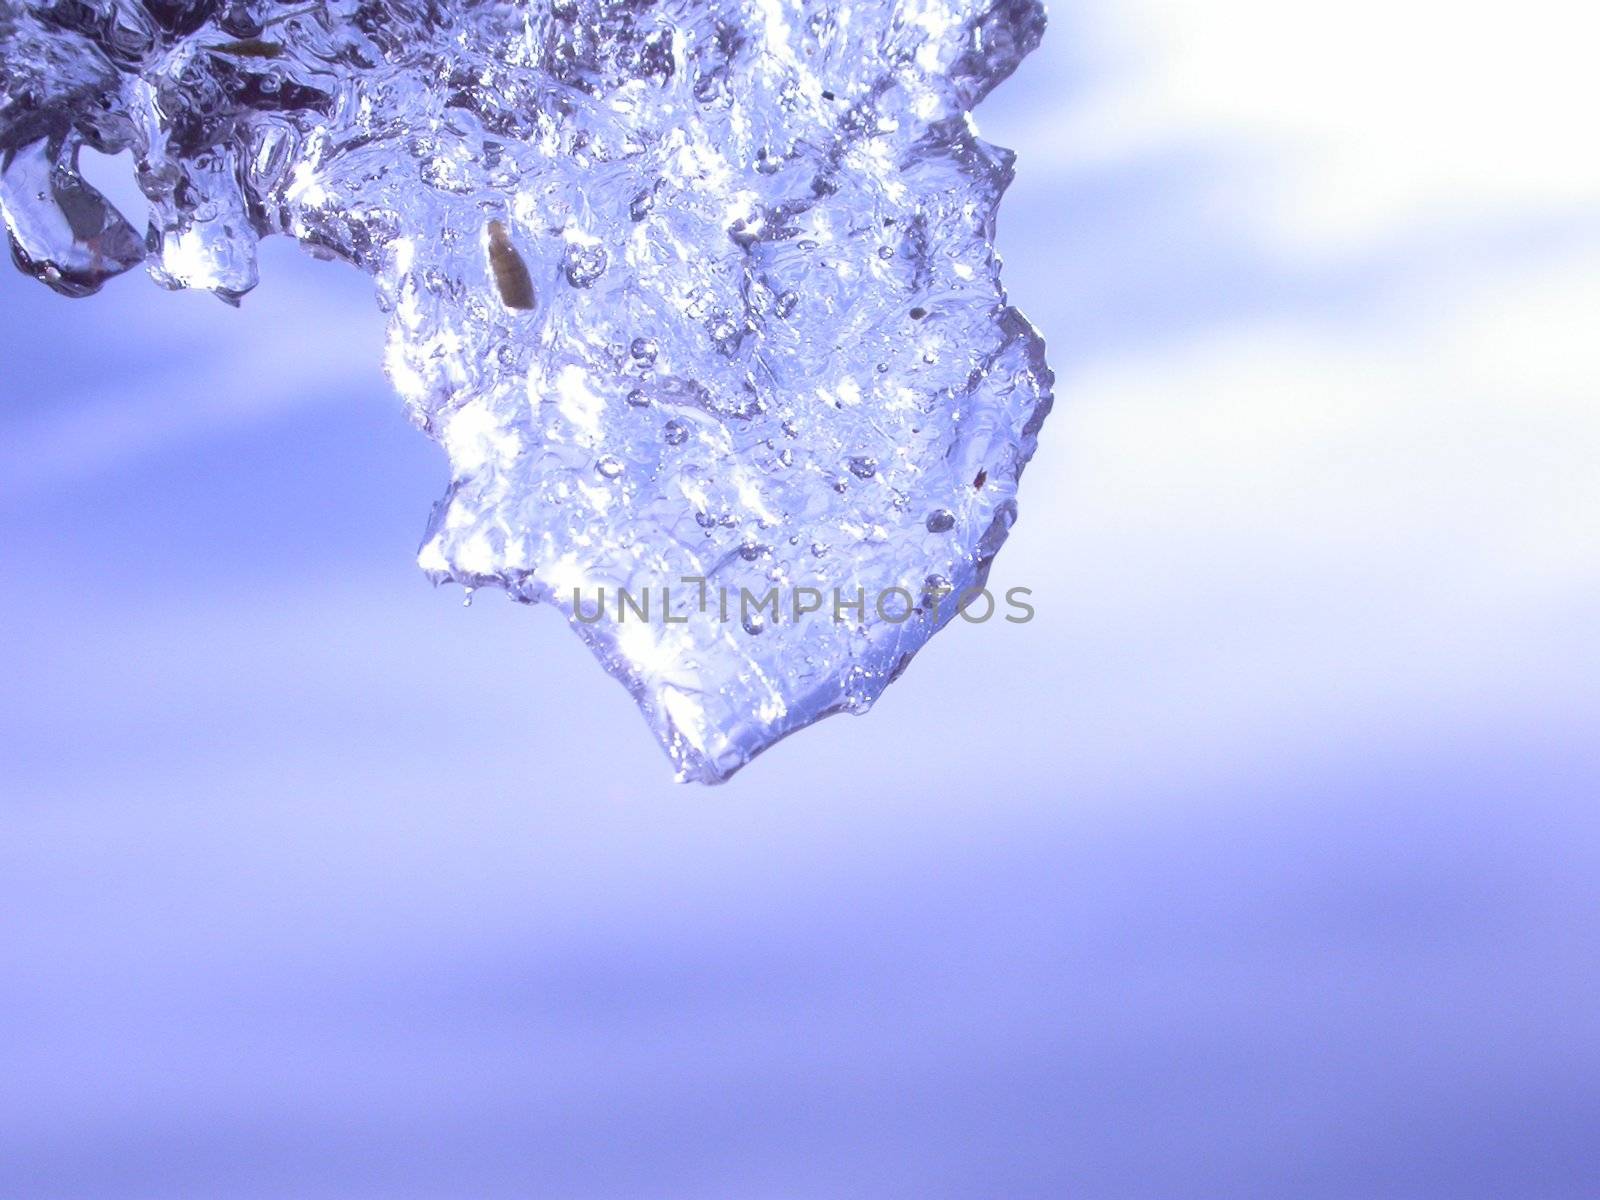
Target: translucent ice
699	296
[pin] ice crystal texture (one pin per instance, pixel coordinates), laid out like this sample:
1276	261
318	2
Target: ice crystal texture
686	289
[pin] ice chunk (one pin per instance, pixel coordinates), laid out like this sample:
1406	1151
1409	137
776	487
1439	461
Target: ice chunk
700	299
63	232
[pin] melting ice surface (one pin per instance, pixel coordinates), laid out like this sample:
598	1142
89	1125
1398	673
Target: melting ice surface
688	290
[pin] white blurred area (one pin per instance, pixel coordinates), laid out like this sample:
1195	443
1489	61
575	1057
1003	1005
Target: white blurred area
1325	335
1364	121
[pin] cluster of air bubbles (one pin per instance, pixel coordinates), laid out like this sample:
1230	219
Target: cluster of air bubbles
583	265
863	466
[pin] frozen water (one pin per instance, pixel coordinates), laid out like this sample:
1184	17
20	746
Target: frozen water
700	298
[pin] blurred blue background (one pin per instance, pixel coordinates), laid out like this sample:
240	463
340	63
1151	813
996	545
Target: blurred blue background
1265	862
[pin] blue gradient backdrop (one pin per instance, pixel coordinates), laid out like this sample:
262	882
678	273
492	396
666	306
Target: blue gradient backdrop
1262	863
